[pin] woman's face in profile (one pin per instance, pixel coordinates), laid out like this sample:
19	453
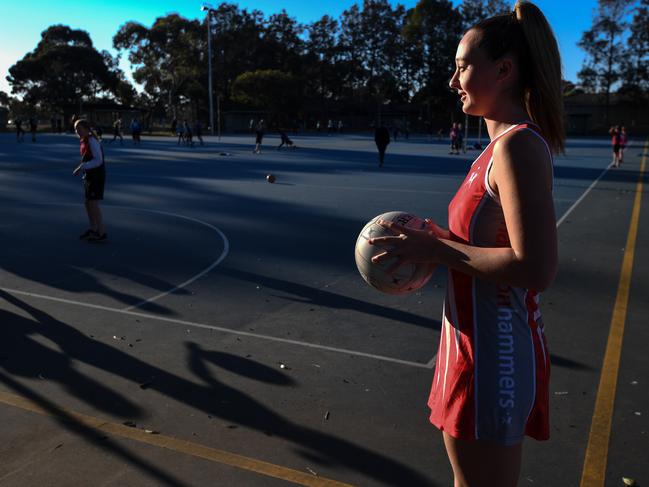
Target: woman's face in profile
476	77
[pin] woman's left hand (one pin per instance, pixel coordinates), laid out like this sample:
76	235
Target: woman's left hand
407	245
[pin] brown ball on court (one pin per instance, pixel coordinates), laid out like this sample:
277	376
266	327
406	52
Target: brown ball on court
407	278
270	178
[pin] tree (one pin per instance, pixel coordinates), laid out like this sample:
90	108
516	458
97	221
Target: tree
379	47
269	89
4	99
635	75
604	48
350	40
435	27
473	11
169	59
237	44
64	69
282	42
370	51
321	56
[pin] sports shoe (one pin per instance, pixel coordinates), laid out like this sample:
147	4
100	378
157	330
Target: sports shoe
87	234
95	237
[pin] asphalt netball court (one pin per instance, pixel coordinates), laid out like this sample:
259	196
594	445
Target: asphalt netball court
222	335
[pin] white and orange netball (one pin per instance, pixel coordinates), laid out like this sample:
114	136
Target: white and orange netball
406	278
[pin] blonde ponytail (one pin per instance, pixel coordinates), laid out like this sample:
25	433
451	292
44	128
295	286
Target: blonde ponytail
86	125
543	95
526	34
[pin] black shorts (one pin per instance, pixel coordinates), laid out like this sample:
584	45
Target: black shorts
616	148
94	188
259	137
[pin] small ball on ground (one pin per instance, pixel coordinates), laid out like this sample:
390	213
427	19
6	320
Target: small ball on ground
270	178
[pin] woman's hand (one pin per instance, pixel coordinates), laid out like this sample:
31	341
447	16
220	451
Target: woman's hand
439	231
408	244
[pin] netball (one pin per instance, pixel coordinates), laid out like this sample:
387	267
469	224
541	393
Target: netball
407	277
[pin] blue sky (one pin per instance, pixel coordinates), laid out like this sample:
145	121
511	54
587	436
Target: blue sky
22	23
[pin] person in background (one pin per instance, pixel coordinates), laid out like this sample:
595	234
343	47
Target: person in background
615	144
453	137
136	131
284	140
187	130
459	141
198	131
93	171
117	131
382	140
259	136
623	140
20	133
33	127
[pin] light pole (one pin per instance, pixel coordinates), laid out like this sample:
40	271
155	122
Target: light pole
207	8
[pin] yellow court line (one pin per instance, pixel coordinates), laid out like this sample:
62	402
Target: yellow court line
178	445
594	471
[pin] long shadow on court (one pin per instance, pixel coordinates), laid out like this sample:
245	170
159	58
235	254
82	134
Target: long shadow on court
210	396
328	299
41	248
89	434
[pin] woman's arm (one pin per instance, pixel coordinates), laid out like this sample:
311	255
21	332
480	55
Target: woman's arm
97	158
523	179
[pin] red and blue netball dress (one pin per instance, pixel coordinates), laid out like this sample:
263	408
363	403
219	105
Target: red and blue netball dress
492	373
94	167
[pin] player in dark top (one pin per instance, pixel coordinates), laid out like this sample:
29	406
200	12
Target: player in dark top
33	127
616	143
198	131
382	140
285	141
20	133
117	131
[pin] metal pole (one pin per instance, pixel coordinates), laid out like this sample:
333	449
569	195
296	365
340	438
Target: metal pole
209	60
466	131
480	132
218	114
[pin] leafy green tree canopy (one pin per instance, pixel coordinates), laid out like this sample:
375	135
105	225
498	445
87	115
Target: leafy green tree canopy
64	69
268	89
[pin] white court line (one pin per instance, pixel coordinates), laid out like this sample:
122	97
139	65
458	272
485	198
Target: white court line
576	203
213	327
224	254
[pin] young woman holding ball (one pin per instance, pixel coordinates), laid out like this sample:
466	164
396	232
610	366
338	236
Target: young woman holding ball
490	387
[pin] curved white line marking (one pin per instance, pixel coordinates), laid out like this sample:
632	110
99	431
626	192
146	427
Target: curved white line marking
224	254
